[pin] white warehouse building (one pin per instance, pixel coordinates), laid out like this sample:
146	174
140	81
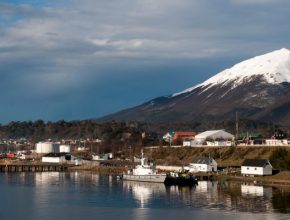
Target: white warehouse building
213	138
47	147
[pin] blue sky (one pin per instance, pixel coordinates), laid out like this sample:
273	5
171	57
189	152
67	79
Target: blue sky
69	59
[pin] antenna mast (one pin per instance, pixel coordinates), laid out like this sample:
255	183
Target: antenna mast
237	126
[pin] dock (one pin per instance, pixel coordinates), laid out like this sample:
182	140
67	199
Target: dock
205	176
34	167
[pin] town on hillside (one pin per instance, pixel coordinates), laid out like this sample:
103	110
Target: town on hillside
211	151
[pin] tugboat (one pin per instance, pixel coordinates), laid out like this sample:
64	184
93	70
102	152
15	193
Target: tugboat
182	178
144	173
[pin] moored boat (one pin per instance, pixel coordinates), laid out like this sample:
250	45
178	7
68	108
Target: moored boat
180	179
144	173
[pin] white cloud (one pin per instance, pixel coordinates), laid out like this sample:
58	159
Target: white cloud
90	35
121	44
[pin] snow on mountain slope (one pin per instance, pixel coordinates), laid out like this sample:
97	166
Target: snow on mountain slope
258	88
273	66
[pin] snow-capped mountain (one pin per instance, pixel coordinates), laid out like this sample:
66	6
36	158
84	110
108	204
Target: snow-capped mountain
273	67
258	88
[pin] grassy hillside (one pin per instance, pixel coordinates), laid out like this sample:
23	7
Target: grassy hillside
226	156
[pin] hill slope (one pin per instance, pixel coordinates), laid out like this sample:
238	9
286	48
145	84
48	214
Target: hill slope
258	88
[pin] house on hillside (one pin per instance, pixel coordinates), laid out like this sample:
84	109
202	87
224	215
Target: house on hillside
202	164
276	142
107	156
256	167
179	136
26	156
214	138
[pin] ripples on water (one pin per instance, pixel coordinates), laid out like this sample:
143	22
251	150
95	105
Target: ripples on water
80	195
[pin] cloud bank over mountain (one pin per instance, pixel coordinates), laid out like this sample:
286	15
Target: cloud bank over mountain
59	56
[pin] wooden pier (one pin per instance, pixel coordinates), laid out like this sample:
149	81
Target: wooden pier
205	176
34	167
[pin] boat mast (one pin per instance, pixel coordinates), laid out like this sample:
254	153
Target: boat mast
142	158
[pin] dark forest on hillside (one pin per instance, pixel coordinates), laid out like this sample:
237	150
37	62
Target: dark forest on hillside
120	132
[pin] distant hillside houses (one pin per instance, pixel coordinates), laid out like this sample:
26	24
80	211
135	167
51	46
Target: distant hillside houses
277	142
179	136
214	138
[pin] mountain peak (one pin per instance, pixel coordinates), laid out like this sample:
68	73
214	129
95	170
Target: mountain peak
274	67
283	50
282	53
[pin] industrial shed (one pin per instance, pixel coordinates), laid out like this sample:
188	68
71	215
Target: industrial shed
214	138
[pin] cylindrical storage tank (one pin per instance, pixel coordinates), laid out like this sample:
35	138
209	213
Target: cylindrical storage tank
64	148
46	147
56	148
61	148
38	148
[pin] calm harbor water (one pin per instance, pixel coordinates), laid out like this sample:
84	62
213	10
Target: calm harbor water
84	195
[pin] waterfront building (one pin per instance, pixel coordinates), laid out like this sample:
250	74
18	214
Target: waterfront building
202	164
55	158
256	167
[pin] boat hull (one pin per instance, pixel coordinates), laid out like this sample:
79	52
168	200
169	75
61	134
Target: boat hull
158	178
180	181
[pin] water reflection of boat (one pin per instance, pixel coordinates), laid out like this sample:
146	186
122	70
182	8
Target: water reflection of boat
144	173
144	191
207	187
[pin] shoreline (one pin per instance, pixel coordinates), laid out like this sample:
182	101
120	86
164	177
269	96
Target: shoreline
275	180
280	179
263	180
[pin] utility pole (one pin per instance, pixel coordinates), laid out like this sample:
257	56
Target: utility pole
237	126
220	157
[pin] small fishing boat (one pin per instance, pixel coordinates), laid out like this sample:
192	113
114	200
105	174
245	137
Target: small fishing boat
144	173
180	179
